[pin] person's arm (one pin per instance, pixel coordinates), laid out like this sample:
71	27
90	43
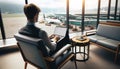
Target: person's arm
54	38
47	41
51	36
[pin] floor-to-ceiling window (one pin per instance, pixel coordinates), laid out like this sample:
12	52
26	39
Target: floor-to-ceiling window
75	8
54	11
112	9
109	10
91	14
104	9
12	16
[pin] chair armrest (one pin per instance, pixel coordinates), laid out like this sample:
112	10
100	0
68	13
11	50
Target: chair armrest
90	32
119	44
58	53
50	59
61	51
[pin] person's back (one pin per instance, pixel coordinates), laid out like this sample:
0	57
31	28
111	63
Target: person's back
32	11
30	30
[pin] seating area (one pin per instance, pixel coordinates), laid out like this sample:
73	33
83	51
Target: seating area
99	59
98	56
39	56
107	36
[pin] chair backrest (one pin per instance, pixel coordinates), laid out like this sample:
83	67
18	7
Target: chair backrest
112	32
29	50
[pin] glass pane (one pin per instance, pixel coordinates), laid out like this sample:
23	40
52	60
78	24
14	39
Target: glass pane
12	15
104	9
75	15
112	10
90	14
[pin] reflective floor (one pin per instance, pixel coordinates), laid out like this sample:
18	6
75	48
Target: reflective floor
99	59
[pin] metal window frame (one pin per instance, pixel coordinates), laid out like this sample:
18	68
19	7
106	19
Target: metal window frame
2	26
26	1
83	14
109	7
67	14
115	14
98	13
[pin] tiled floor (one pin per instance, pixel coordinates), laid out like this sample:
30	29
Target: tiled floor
99	59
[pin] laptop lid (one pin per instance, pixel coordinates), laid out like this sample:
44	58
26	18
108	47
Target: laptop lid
60	31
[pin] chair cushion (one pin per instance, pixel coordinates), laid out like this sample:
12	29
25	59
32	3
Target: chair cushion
109	43
94	38
63	57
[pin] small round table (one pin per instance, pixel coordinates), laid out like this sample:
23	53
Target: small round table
83	47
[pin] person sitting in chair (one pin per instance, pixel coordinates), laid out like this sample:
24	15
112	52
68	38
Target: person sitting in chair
31	11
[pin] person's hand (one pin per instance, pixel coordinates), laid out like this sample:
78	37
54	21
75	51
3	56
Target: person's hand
56	38
52	36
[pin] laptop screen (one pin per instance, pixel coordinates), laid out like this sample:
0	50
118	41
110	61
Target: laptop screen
61	31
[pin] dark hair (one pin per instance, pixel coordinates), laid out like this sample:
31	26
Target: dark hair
31	10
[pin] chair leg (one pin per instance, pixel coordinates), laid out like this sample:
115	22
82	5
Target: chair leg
75	65
116	55
25	65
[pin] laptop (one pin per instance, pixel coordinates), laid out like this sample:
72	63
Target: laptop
60	31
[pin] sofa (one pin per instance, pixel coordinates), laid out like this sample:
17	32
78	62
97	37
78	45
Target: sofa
107	36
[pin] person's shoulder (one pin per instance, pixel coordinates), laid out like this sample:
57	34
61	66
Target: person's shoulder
43	31
36	28
22	29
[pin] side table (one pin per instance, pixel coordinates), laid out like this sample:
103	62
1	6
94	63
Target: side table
84	44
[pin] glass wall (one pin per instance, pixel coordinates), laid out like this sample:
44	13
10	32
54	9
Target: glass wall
91	14
112	10
75	8
53	13
90	17
12	15
104	9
